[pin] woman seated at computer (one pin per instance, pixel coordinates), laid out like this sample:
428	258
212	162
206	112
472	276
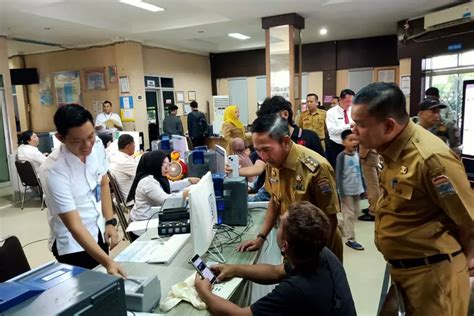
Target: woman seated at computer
232	126
28	149
151	187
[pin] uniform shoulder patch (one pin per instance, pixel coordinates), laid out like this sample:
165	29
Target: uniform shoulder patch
309	162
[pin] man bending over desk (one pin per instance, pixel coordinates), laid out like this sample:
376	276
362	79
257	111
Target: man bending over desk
311	279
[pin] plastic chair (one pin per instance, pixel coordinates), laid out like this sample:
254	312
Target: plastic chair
118	203
13	261
29	179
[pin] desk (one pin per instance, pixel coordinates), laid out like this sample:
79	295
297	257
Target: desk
179	269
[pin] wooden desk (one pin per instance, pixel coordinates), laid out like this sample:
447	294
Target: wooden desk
179	269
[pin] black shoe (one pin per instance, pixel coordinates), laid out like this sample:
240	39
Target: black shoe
367	218
365	210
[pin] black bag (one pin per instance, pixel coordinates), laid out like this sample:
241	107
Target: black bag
202	125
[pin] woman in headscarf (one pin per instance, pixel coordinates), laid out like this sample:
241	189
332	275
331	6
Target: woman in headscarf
232	126
151	187
239	149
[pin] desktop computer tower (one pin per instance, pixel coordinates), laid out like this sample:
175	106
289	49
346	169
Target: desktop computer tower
235	201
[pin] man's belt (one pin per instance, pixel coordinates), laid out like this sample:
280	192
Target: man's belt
418	262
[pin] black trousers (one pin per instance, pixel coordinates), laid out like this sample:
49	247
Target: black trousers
198	141
81	259
332	151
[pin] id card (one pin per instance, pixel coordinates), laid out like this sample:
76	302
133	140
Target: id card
97	193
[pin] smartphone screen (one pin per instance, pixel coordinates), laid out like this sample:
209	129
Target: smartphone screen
203	269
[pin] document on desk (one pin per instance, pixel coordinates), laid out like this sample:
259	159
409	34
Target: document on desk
153	251
142	225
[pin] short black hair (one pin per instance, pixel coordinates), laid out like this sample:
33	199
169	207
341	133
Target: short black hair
306	229
312	95
384	100
271	124
105	138
345	93
25	137
124	140
432	91
194	104
172	107
105	102
275	105
69	116
346	133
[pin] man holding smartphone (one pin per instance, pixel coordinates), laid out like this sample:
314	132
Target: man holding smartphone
310	281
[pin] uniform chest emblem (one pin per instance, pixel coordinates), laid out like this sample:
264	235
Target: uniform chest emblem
403	170
299	183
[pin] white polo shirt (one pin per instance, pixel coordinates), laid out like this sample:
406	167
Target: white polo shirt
31	154
103	117
123	167
69	184
335	122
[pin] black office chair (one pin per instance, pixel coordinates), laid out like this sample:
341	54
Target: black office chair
29	179
119	205
13	261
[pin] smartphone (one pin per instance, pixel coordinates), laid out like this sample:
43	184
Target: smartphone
234	164
203	269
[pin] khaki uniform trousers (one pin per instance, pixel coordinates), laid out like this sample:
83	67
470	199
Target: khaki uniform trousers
369	168
437	289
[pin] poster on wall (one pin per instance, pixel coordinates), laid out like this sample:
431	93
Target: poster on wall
112	71
95	78
68	87
126	109
45	90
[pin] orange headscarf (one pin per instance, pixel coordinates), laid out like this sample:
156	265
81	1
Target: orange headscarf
229	116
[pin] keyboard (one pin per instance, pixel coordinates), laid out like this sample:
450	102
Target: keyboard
226	289
169	249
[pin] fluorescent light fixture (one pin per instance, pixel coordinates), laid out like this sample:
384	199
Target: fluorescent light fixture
143	5
323	31
239	36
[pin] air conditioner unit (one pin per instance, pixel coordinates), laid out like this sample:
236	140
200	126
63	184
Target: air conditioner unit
453	16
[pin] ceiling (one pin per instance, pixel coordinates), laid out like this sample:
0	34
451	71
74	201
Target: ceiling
199	26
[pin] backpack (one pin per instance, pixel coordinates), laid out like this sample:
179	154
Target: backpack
202	125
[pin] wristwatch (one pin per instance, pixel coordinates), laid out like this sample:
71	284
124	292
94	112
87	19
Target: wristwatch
262	236
112	221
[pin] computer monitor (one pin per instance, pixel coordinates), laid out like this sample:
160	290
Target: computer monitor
221	158
180	144
56	142
203	213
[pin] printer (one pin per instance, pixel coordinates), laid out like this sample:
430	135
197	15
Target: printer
61	289
200	161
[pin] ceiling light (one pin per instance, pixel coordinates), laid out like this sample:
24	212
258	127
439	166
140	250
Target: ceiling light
239	36
323	31
143	5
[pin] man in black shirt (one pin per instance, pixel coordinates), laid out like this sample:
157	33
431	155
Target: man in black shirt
196	129
312	280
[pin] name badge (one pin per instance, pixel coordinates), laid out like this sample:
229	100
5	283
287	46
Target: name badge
97	192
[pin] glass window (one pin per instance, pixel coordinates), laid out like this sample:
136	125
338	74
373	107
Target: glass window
467	58
444	61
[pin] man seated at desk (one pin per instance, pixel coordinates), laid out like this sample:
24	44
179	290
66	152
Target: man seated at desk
312	280
108	121
123	164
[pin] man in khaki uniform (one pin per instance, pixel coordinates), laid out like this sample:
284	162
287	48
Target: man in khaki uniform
293	173
369	160
314	118
424	218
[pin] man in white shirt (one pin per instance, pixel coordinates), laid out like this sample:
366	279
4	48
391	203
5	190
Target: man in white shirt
78	194
338	119
28	150
108	121
123	165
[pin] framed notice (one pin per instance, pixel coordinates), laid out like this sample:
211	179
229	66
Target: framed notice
192	95
95	78
179	96
405	82
124	84
113	76
386	75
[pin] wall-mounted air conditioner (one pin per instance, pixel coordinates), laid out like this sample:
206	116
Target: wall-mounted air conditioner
453	16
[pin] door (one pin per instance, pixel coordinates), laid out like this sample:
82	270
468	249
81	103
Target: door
238	96
153	114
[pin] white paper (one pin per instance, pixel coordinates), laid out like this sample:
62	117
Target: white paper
126	103
139	251
142	225
405	84
127	114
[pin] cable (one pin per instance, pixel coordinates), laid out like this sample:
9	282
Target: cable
39	240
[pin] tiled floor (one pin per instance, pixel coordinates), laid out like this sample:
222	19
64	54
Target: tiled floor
365	269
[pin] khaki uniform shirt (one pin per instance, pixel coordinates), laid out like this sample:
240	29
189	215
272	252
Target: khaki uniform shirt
425	197
314	121
229	132
448	132
305	176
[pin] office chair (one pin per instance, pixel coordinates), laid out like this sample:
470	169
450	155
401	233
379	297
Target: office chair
13	261
118	203
29	179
